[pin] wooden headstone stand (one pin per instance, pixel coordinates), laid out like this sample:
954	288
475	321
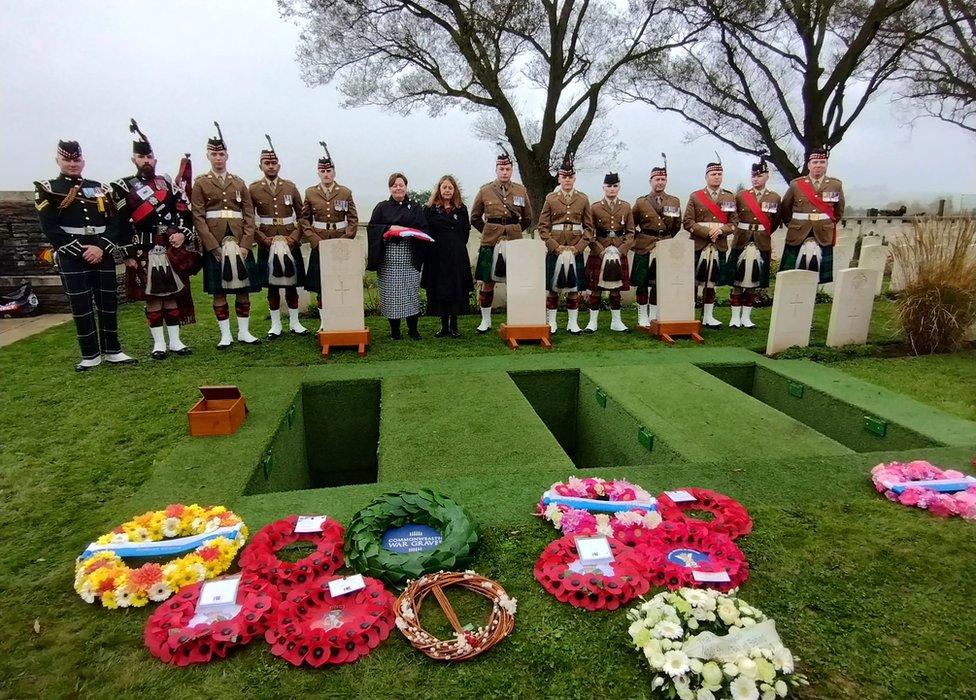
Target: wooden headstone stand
344	339
513	334
668	330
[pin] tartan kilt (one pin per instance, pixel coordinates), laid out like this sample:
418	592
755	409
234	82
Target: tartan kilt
640	273
482	268
551	269
733	260
296	256
722	279
593	274
213	282
792	252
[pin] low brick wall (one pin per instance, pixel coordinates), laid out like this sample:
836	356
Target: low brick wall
21	241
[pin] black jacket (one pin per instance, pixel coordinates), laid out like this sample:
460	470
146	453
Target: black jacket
390	213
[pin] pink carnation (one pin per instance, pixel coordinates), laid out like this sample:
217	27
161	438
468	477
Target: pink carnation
578	521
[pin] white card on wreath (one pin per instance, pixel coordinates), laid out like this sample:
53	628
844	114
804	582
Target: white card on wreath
711	576
680	496
220	591
342	586
593	550
310	523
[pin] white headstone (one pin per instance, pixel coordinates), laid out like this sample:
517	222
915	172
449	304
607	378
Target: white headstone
850	314
843	254
898	280
342	268
874	257
675	277
871	239
793	300
525	277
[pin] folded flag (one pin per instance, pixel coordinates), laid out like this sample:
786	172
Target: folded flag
404	232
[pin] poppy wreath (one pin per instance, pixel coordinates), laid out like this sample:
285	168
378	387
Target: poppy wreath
312	627
729	517
592	590
674	551
211	535
365	553
260	558
895	481
171	639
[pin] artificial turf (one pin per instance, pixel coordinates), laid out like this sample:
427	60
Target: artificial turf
873	597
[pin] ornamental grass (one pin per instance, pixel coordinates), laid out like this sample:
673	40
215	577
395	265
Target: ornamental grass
937	308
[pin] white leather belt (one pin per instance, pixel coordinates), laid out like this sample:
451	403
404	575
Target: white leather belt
83	230
812	216
328	226
272	221
224	214
750	227
568	228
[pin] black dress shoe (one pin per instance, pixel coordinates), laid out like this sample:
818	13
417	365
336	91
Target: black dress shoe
479	330
84	368
455	333
256	341
182	352
272	336
158	354
442	333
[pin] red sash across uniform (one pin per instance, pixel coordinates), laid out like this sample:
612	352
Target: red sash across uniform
806	187
750	199
146	207
707	202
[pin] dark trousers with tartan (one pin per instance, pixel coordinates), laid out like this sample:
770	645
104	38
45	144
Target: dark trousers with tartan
91	290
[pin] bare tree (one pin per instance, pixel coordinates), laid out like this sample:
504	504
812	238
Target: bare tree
536	71
775	75
938	74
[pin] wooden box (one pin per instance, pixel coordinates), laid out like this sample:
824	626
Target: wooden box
220	412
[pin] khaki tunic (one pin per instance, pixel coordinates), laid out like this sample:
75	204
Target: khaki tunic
831	191
501	215
233	196
769	202
285	201
566	221
329	208
654	221
617	220
697	218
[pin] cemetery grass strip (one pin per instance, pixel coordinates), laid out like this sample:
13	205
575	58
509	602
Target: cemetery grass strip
868	594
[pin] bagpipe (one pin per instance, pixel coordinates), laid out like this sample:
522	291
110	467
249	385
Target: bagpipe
748	270
564	277
281	265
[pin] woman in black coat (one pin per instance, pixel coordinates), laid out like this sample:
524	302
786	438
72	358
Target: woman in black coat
397	261
447	271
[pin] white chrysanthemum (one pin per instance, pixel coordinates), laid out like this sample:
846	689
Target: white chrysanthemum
201	571
171	527
747	667
730	669
695	596
629	517
652	519
553	514
743	688
508	604
784	660
781	688
704	694
675	663
119	538
667	629
197	524
87	593
212	524
159	591
123	598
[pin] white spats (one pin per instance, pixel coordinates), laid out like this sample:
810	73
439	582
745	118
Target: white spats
615	323
244	331
275	329
294	324
225	337
485	324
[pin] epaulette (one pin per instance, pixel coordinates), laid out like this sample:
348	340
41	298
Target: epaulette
122	183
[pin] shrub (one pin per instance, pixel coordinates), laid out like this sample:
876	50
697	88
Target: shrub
937	307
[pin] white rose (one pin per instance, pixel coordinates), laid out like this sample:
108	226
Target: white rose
781	688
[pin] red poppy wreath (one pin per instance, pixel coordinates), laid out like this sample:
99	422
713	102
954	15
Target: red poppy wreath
173	637
728	515
314	627
260	557
603	587
688	554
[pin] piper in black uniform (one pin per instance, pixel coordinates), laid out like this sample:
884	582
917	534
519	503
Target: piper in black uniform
153	225
76	217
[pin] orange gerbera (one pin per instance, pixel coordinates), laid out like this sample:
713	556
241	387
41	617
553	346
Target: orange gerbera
146	576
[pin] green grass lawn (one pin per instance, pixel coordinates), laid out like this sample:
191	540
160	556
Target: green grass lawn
873	597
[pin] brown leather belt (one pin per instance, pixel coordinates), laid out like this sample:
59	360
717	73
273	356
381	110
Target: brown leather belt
503	222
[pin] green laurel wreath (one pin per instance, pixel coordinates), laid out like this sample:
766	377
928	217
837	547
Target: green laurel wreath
366	555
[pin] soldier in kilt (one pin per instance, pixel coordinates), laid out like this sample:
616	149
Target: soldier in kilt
223	217
161	248
277	208
566	227
501	212
606	267
76	217
657	216
710	216
812	207
747	268
329	212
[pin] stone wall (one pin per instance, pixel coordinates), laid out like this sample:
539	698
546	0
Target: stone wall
21	241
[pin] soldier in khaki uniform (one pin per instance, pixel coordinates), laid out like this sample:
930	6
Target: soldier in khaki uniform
613	226
277	206
329	212
222	214
657	216
501	211
748	263
710	216
811	208
566	224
